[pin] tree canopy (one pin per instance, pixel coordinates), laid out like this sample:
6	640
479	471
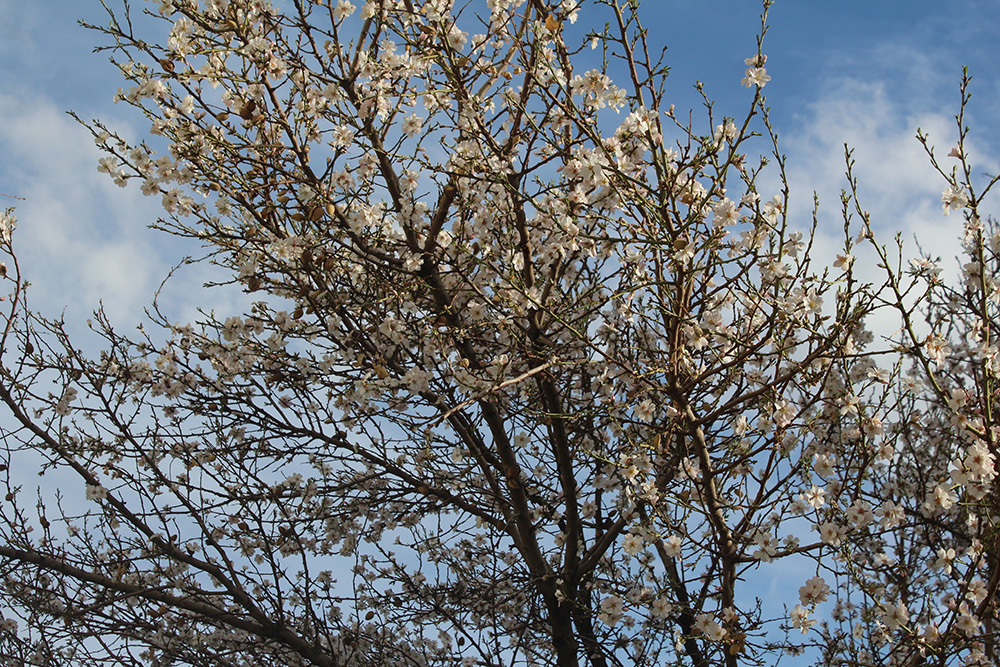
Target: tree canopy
535	371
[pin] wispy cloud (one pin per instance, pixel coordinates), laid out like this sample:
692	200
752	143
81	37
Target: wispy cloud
83	241
80	239
897	184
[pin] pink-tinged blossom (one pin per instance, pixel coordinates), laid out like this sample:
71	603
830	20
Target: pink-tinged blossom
823	465
860	514
880	375
941	497
793	246
773	209
726	213
843	262
755	76
661	608
7	225
62	408
953	199
412	124
767	546
976	591
872	427
725	132
968	623
799	617
930	633
672	546
815	497
343	9
889	514
936	348
784	412
895	616
709	627
341	136
832	533
632	544
612	609
815	591
848	404
944	560
645	410
979	462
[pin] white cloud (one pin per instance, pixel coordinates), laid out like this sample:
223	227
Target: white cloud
898	186
80	238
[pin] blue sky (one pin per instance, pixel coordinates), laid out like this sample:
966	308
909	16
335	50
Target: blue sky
868	73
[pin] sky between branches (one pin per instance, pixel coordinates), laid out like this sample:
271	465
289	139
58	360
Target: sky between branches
862	72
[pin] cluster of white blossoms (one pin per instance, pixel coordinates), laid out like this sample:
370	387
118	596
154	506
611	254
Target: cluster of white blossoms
8	222
756	75
708	626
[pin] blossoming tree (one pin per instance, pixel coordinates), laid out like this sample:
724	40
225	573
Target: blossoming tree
533	372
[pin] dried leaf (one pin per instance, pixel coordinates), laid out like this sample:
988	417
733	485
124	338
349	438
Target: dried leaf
246	111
